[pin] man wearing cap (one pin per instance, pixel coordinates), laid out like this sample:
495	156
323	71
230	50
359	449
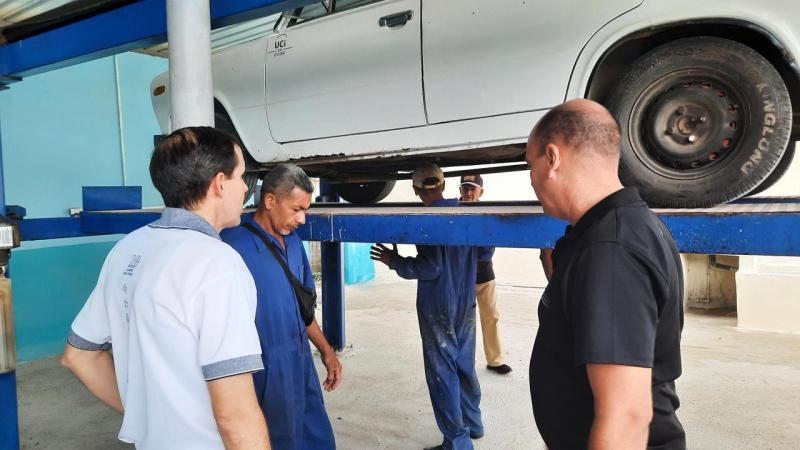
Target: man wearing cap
471	190
446	314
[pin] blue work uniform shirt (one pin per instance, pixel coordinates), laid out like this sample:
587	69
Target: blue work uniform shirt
278	319
446	314
288	388
457	280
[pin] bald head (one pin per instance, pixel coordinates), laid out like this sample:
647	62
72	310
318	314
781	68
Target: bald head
580	125
574	156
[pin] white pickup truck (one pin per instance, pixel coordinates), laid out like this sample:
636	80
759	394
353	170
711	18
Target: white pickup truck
361	91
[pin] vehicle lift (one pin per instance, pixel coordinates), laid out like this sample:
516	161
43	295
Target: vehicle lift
769	226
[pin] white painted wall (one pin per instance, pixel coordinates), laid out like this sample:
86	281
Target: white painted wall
789	184
497	186
768	287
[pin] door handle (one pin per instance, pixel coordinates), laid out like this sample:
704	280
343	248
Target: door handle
396	20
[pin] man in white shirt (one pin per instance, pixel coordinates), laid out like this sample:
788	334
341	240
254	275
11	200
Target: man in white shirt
178	306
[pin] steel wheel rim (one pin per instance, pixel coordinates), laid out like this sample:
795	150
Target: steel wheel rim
688	124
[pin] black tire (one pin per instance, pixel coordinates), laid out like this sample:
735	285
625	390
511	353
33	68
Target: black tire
777	174
704	121
372	192
251	179
252	171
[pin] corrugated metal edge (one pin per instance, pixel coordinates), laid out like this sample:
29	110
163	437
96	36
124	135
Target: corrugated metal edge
15	11
223	38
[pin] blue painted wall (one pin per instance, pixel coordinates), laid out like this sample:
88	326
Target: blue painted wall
60	131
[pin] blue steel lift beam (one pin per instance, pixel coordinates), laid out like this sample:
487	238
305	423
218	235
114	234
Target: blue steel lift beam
760	227
751	227
332	258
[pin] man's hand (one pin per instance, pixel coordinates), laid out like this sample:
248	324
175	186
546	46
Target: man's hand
334	367
329	358
380	252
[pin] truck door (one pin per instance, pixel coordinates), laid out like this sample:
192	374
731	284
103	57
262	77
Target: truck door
344	67
485	58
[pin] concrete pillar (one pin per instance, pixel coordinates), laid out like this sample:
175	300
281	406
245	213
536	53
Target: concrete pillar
191	90
709	281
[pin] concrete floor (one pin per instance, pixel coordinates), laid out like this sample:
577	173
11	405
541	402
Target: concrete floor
739	389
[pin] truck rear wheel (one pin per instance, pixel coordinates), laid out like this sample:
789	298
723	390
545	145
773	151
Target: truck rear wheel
253	170
780	171
704	121
372	192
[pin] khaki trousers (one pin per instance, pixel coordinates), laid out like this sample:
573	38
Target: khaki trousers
490	318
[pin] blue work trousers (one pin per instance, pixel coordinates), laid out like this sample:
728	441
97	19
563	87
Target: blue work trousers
292	399
448	348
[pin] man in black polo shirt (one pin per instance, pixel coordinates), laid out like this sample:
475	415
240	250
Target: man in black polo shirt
607	351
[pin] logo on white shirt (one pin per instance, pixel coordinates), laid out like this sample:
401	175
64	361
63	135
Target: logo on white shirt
135	259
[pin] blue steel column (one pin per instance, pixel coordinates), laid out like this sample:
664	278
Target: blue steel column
332	281
9	424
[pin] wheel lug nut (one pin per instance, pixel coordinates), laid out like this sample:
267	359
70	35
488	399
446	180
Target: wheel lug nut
703	119
692	138
681	111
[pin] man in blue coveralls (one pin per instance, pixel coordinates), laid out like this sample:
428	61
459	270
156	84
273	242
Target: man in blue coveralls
288	387
446	314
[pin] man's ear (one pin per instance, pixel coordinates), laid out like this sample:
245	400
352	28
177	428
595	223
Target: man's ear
215	188
269	200
553	158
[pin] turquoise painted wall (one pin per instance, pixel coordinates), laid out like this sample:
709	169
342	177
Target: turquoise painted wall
61	131
359	267
49	286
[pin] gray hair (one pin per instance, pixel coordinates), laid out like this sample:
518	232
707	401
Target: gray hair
283	178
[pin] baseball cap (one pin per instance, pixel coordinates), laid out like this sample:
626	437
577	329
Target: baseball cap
427	176
473	180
